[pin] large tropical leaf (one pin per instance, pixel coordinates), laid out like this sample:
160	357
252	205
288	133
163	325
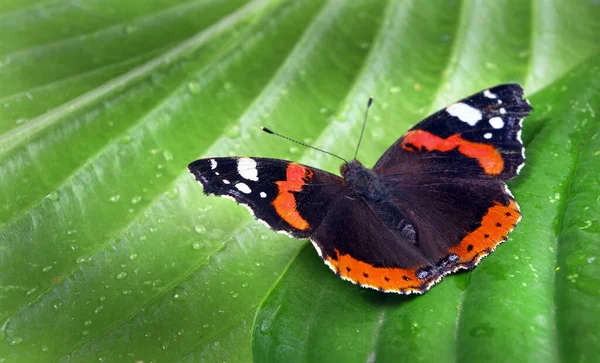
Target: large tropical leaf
109	251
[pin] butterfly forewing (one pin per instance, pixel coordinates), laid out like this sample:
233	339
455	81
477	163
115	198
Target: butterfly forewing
477	137
287	196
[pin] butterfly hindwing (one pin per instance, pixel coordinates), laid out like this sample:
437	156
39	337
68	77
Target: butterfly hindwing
287	196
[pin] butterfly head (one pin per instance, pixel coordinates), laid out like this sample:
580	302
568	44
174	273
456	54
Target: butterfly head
365	182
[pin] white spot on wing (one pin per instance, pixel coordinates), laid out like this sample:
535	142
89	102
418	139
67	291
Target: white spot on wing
226	181
488	135
489	94
243	188
213	164
502	110
465	113
247	169
497	122
263	194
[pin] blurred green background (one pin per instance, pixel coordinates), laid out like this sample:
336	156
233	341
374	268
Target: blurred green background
110	252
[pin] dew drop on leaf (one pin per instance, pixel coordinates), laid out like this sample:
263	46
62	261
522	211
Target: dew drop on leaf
16	341
121	275
194	87
53	196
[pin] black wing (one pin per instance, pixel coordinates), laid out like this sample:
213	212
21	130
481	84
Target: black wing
446	176
289	197
477	137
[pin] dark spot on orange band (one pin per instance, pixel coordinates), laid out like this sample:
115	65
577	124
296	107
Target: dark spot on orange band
493	229
384	278
285	202
488	157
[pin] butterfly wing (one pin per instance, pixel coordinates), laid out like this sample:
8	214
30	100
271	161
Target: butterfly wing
288	197
446	175
477	137
356	243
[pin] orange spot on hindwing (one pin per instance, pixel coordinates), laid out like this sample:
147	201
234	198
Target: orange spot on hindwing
383	278
488	157
285	202
495	226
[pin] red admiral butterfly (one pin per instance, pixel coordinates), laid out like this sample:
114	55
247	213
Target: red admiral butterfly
434	203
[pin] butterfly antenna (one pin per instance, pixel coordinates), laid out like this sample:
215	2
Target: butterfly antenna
363	126
301	143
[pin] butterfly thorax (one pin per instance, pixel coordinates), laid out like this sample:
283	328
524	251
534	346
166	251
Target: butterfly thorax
363	181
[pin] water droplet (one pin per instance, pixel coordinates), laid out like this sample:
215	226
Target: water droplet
196	245
133	256
394	89
173	193
47	268
126	292
245	284
121	275
234	295
115	198
233	131
44	348
167	155
205	326
30	291
98	309
87	323
53	196
102	298
293	149
80	259
194	87
129	29
16	341
200	229
136	199
126	139
85	332
377	133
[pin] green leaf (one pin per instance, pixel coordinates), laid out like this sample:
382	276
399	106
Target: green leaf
110	251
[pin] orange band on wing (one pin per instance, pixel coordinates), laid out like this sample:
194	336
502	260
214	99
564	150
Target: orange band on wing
386	279
495	226
285	202
488	157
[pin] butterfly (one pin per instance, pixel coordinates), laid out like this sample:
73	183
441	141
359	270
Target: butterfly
434	203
